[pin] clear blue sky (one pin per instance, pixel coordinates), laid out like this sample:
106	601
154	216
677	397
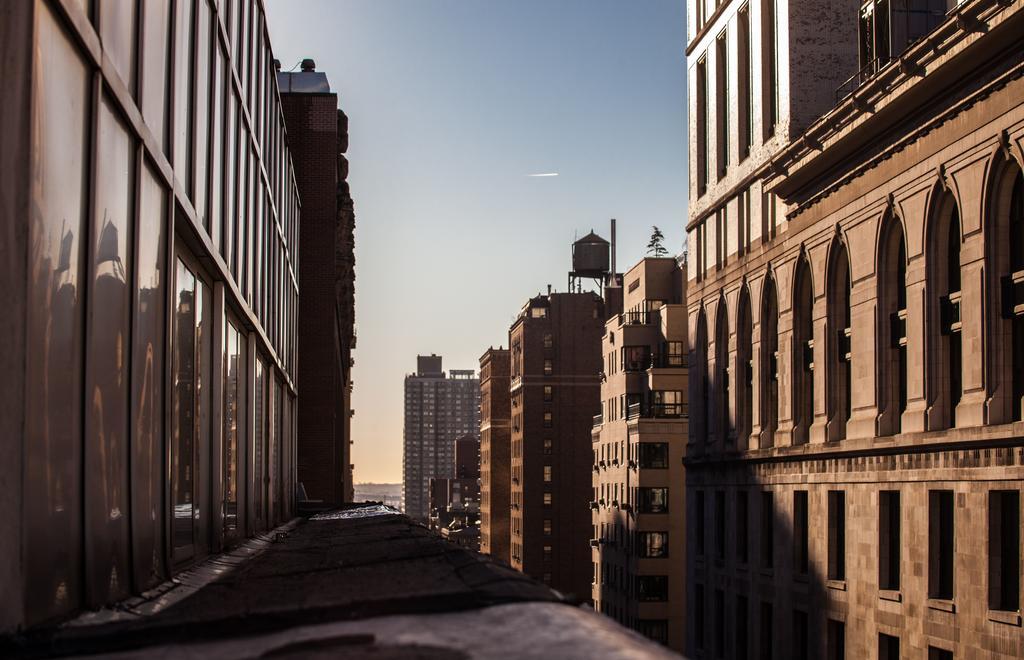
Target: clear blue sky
451	104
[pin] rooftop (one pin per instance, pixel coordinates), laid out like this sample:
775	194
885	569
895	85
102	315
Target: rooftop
364	581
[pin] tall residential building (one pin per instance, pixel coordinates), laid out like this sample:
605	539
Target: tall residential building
318	140
439	409
455	501
495	453
555	346
151	222
854	477
639	440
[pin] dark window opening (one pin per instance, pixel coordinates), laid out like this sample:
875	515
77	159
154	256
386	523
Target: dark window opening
888	647
889	539
701	522
742	523
836	643
767	529
1004	550
800	532
940	544
801	650
767	626
836	535
720	525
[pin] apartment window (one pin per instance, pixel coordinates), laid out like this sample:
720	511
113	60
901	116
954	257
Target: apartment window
800	531
892	296
722	101
547	527
547	499
767	641
652	500
549	394
722	373
1004	550
889	539
547	474
803	354
944	383
745	372
769	41
722	234
653	544
653	455
720	525
548	445
742	527
888	647
740	622
719	623
652	588
840	399
675	354
745	101
836	642
935	653
701	521
769	216
769	364
767	529
698	617
538	312
547	552
635	358
702	128
667	403
940	544
548	420
836	535
548	342
801	650
548	367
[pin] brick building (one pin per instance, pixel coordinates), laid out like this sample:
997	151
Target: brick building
639	439
853	479
439	409
555	347
318	140
495	453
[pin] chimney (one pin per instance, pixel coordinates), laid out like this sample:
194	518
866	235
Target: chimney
549	289
308	65
613	250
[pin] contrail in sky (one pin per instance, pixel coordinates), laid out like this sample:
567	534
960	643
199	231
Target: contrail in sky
544	174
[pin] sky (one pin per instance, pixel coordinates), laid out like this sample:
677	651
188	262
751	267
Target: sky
452	104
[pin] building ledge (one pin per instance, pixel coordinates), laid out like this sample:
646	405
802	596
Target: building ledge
364	581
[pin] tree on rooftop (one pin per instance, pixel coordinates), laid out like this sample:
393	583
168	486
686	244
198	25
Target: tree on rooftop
656	245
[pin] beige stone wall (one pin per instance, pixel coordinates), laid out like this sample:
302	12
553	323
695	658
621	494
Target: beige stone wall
936	136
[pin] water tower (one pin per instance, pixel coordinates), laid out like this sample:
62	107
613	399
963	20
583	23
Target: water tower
591	259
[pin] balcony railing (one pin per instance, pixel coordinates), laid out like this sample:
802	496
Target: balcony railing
599	419
853	83
656	410
640	318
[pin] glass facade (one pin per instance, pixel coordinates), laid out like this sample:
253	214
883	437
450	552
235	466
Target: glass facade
161	295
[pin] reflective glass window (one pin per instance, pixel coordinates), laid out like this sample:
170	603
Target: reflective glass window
234	420
156	21
53	341
148	380
202	114
107	343
183	92
117	30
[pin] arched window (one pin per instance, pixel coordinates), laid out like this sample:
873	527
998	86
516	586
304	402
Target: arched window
744	372
769	362
839	343
803	353
722	372
1005	251
699	381
945	381
892	327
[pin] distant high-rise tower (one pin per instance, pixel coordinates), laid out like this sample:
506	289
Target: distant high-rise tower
439	408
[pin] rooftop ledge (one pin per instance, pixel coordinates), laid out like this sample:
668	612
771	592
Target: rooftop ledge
363	582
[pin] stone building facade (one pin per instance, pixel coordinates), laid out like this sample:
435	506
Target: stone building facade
318	139
854	477
555	347
639	439
495	453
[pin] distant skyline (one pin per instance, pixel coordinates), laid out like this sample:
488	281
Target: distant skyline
485	137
